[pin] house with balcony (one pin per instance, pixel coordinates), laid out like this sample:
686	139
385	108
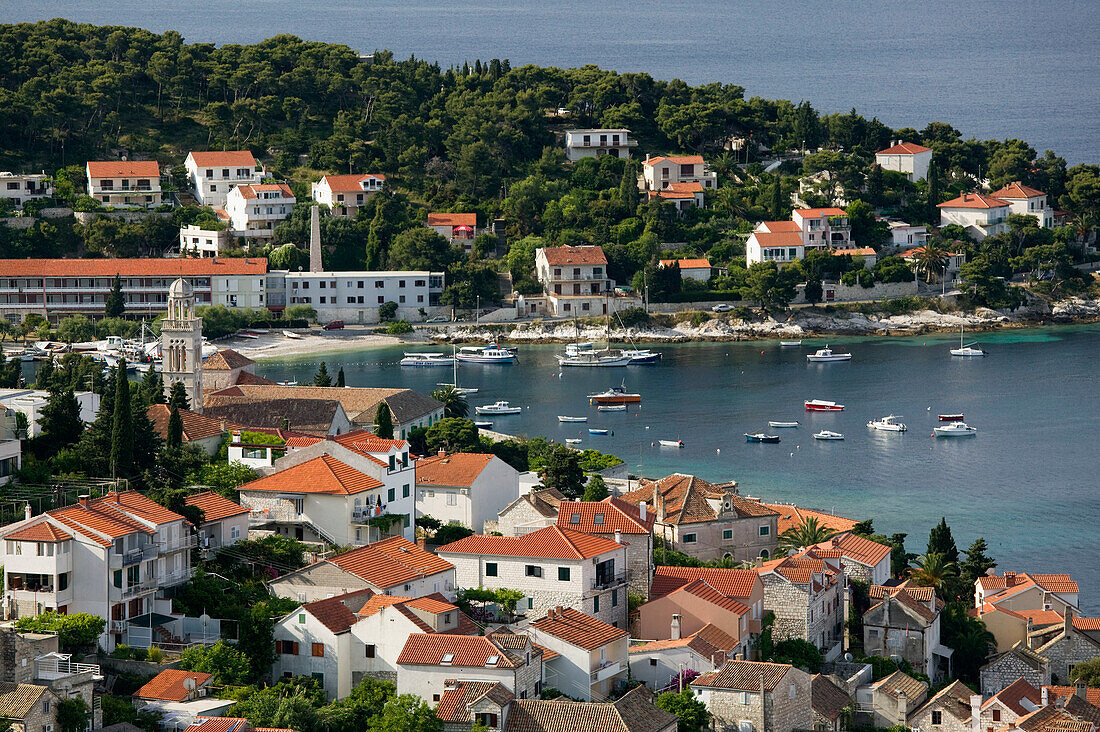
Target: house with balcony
214	174
224	522
907	158
979	214
597	143
33	658
756	696
657	663
125	183
954	261
808	229
823	228
663	172
552	566
393	566
905	235
428	660
464	488
255	210
199	241
622	523
574	279
346	194
591	657
22	187
114	557
1027	201
806	594
459	229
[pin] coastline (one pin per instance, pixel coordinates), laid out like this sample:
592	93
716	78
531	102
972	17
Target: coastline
275	345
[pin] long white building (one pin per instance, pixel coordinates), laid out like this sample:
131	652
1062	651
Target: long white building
31	402
355	297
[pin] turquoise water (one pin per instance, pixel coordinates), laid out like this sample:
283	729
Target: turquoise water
1004	69
1028	482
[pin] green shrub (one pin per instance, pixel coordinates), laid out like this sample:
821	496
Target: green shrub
399	327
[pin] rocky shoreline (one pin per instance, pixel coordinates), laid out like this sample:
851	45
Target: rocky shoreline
802	323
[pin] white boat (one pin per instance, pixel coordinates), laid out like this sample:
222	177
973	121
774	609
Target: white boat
460	389
642	355
292	335
966	350
246	334
491	353
887	424
787	425
563	418
826	355
483	425
464	390
670	443
790	343
501	407
288	383
828	435
50	346
427	359
593	359
572	440
820	405
955	429
611	408
572	349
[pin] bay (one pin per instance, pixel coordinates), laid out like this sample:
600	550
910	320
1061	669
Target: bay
1028	482
993	69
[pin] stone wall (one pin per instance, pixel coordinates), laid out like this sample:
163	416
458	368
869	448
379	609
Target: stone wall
1001	672
789	603
521	512
948	722
639	560
17	647
789	709
86	217
729	708
1067	651
37	719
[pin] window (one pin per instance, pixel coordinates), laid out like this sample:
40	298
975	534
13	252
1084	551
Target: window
318	650
563	574
996	715
487	718
234	532
46	706
301	618
447	660
370	650
653	662
689	538
391	494
598	519
490	569
937	717
745	697
533	570
596	604
791	691
575	518
765	530
727	534
492	660
405	491
614	598
319	676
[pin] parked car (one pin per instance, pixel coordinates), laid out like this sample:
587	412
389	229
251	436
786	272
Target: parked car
722	308
334	325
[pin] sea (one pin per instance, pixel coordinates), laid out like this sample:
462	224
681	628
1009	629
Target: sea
992	68
1028	482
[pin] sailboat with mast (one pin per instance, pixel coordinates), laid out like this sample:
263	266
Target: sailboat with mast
635	354
967	350
591	357
454	385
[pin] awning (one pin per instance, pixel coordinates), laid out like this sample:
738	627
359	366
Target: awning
463	228
149	620
942	651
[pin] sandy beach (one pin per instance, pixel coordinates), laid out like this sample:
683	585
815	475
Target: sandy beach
276	345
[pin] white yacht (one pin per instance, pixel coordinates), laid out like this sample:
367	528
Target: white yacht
427	359
826	355
967	350
828	435
500	407
955	429
887	424
491	353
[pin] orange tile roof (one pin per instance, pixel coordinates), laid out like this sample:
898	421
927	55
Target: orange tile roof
218	724
185	267
365	442
456	469
550	542
604	517
1016	189
250	191
454	705
703	591
974	200
431	605
684	499
1092	694
473	651
687	263
324	474
778	239
857	548
675	159
1086	623
1058	583
41	531
378	603
904	148
577	629
349	183
921	594
339	613
391	562
779	227
124	169
195	425
735	583
1012	695
561	256
452	219
791	516
168	685
744	676
215	507
112	516
820	213
226	360
710	642
216	159
856	252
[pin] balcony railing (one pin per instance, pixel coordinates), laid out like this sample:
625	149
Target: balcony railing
366	513
606	671
139	588
117	626
606	582
174	578
186	542
55	668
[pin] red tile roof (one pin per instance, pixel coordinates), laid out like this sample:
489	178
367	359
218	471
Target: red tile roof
857	548
777	227
1092	694
41	531
687	263
820	213
684	499
218	724
550	542
744	676
457	469
710	642
365	442
899	681
1057	583
675	159
791	517
577	629
778	239
226	360
215	507
604	517
974	200
228	158
168	685
632	712
430	605
378	603
856	252
703	591
185	267
324	474
561	256
735	583
679	190
391	562
1086	623
195	425
472	651
921	594
1013	695
1016	189
349	183
454	705
452	219
114	515
904	148
338	613
250	191
124	169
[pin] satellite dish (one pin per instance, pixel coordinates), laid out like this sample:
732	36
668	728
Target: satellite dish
848	657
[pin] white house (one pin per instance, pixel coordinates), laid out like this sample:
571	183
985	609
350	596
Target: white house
197	241
213	174
1027	201
595	143
22	187
11	451
180	697
553	566
464	488
658	662
979	214
125	182
428	660
906	157
665	171
224	522
903	234
460	229
789	241
31	402
346	194
111	556
690	269
823	227
574	279
255	210
771	243
592	657
355	297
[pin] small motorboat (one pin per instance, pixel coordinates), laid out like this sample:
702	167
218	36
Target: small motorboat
887	424
572	440
292	335
288	383
501	407
247	334
967	350
820	405
483	425
761	437
951	417
788	344
615	395
670	443
826	355
594	431
611	408
639	355
563	418
955	429
828	435
782	425
427	359
491	353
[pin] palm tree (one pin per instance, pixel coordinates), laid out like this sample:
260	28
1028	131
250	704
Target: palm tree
932	570
724	165
1082	226
931	261
729	200
453	401
809	533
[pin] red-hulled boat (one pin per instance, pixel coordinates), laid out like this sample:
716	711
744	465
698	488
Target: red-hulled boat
951	417
819	405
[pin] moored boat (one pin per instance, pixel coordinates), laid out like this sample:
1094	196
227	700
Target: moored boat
966	350
670	443
887	424
564	418
826	355
594	431
951	417
761	437
500	407
292	335
611	408
782	425
788	344
641	355
572	440
828	435
593	359
955	429
427	359
820	405
615	395
491	353
483	425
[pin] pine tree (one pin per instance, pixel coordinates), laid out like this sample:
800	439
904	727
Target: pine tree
321	378
383	421
153	385
61	423
340	378
11	373
941	542
44	376
122	426
977	562
175	430
777	199
178	398
116	303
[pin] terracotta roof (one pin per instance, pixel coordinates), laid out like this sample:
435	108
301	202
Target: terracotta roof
456	469
454	705
826	698
365	442
576	628
215	507
109	517
778	239
1016	189
791	516
744	676
349	183
168	685
360	403
675	159
904	148
921	594
391	562
1092	694
324	474
247	377
1052	718
216	159
251	191
226	360
378	603
545	501
710	641
703	591
338	613
185	267
124	169
687	263
604	517
903	682
1040	618
683	498
1013	695
973	200
195	425
1057	583
820	213
915	251
550	542
1082	623
857	548
17	700
41	531
561	256
430	605
632	712
953	699
856	252
779	227
801	568
452	219
678	190
472	651
735	583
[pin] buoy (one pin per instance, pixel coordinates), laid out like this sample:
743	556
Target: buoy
719	451
653	444
647	426
792	454
761	353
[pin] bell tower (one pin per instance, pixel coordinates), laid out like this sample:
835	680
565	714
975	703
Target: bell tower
181	344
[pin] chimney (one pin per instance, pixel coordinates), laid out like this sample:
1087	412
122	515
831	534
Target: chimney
422	542
975	713
1046	696
674	631
618	536
236	434
1081	690
836	542
1010	579
903	708
83	499
641	510
1067	624
441	453
647	157
27	511
739	656
314	239
759	561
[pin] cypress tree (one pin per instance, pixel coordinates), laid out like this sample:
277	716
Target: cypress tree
383	421
777	198
340	378
116	303
940	541
178	399
321	378
934	190
44	375
122	427
11	373
175	430
153	385
61	423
